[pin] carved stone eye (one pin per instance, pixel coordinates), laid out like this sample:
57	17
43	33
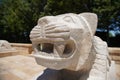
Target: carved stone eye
68	19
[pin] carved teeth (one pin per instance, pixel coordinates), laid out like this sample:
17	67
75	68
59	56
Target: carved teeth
47	55
41	46
56	51
40	49
59	49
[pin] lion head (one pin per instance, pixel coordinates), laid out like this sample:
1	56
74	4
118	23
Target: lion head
63	41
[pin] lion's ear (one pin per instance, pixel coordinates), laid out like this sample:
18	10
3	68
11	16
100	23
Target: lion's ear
90	19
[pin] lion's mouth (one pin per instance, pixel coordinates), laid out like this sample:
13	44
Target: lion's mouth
51	50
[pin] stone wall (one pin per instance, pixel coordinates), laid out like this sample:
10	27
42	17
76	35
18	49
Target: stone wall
10	53
23	49
115	56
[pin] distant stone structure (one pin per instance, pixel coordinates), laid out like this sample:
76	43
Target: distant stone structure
5	46
66	44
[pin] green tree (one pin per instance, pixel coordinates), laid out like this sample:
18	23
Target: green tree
55	7
17	17
107	11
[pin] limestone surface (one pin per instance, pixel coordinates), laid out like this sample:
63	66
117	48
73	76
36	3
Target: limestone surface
5	46
67	45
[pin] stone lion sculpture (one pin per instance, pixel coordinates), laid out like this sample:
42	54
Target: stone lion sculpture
66	44
5	46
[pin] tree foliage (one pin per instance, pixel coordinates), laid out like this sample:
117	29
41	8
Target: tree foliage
18	17
55	7
107	10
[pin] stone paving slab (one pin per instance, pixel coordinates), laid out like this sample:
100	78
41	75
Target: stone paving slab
19	68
